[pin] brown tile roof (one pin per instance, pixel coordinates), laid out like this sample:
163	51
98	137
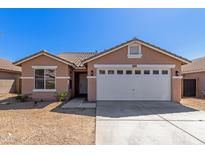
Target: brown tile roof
136	39
6	65
197	65
76	57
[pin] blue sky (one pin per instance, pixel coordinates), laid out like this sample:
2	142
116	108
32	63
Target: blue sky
26	31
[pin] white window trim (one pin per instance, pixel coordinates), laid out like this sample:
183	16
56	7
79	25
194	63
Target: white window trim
62	77
134	56
23	77
44	90
44	67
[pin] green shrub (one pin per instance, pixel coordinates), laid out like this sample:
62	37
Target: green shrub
63	96
22	98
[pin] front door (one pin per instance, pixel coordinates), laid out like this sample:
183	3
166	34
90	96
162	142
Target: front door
82	83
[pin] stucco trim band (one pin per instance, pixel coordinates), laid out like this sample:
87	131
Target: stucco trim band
91	77
177	77
156	66
112	66
44	67
26	77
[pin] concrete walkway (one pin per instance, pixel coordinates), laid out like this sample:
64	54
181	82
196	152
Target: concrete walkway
148	123
79	102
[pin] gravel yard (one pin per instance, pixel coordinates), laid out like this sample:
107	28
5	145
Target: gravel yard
45	123
196	103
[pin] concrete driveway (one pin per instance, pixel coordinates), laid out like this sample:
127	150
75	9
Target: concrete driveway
127	122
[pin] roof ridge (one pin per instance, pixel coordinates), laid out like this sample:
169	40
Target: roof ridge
197	59
84	52
6	59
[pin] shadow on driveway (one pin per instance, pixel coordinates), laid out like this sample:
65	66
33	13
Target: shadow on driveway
76	111
23	105
118	109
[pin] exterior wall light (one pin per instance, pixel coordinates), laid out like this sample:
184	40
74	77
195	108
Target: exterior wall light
91	73
177	73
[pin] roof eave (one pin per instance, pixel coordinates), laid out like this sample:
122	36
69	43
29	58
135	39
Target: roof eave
185	61
19	62
12	71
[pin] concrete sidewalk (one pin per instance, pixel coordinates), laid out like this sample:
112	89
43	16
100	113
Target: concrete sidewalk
79	102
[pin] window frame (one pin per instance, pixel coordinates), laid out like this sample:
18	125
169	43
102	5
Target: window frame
119	73
145	73
155	73
140	72
134	55
44	79
127	71
111	71
101	70
166	71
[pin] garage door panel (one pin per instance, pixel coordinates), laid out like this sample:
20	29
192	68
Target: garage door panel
133	87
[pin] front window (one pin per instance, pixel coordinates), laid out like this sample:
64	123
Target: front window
44	79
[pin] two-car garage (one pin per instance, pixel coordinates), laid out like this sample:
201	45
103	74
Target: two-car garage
128	82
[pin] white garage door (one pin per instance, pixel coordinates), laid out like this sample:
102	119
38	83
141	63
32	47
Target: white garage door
133	84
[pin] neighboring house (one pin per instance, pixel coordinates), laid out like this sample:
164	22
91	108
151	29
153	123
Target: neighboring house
9	77
194	78
134	70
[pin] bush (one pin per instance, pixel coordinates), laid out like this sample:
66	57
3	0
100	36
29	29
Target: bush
22	98
62	96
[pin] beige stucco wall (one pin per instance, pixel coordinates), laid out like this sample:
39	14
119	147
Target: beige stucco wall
92	89
200	81
9	82
120	57
62	70
176	89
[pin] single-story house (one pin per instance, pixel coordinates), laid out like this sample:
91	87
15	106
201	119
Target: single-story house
194	78
133	70
9	77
